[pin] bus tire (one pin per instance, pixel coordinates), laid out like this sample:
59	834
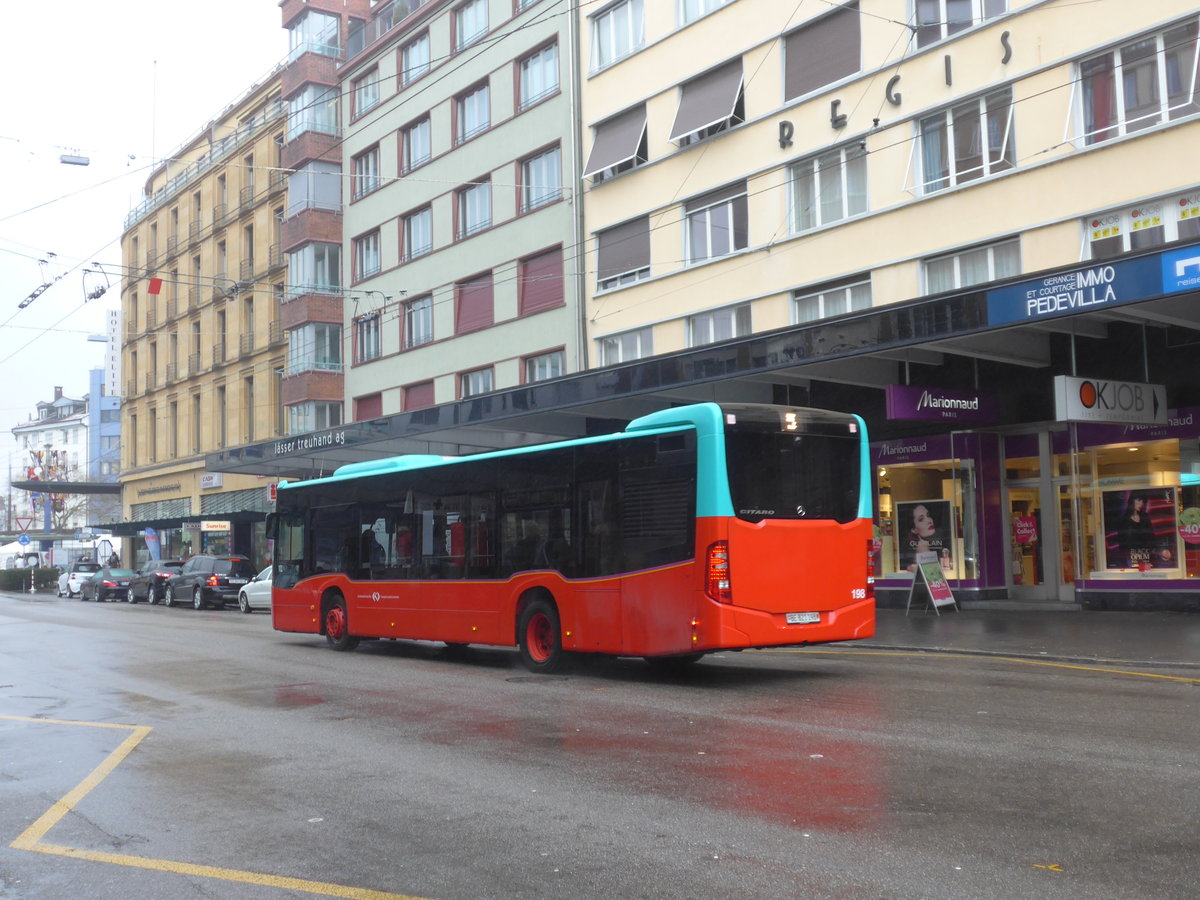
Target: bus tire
337	625
539	637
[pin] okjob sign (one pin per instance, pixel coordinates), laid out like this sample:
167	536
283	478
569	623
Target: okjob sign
1101	400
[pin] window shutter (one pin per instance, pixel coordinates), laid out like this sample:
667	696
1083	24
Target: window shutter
541	282
822	52
473	304
624	248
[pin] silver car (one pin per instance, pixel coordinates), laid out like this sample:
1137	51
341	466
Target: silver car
256	593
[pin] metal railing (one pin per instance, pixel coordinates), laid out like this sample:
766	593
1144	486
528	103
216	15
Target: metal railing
193	364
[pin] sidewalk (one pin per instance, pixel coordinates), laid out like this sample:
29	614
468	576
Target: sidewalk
1129	638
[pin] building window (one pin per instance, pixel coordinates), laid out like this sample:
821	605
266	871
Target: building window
315	269
366	172
414	59
825	50
473	304
978	265
366	92
710	104
417	150
618	145
315	185
366	338
418	233
474	208
538	76
1145	225
470	23
968	141
691	10
314	32
313	109
617	31
716	223
541	179
811	304
314	415
544	366
368	407
315	347
472	115
541	284
418	396
418	321
829	188
623	254
719	325
938	19
366	255
472	384
1140	84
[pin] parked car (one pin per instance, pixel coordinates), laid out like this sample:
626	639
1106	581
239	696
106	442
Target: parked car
256	593
107	584
69	581
150	581
207	580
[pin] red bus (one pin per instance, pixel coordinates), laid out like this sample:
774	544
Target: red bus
698	528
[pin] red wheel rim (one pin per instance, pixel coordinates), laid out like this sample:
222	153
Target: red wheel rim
539	637
335	622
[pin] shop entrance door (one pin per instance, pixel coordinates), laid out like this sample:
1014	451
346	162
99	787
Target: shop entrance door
1039	527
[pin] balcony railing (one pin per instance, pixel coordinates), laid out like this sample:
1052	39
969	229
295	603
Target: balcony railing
219	354
275	257
172	373
172	245
246	269
151	259
275	335
220	214
172	307
246	344
363	34
246	196
193	232
193	295
278	181
131	388
151	319
151	381
193	365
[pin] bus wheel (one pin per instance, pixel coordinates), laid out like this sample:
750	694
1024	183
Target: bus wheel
541	638
337	626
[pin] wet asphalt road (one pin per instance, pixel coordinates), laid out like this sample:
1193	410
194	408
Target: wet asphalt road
404	769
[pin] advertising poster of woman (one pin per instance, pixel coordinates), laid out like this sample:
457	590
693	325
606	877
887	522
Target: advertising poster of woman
924	526
1140	528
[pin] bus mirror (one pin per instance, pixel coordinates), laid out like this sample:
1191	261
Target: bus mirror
272	528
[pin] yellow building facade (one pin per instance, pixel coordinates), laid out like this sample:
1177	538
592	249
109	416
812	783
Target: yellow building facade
202	348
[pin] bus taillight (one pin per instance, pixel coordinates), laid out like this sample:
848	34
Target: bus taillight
716	583
870	595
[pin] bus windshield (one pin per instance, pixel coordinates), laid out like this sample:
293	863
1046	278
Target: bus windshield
810	472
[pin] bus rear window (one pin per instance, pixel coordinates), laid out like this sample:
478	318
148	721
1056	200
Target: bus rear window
786	475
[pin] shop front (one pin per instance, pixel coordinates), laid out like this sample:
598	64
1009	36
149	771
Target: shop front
1098	516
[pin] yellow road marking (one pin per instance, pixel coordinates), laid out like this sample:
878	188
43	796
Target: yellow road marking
31	838
951	654
1052	867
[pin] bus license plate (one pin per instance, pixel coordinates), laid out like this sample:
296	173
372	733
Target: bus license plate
803	618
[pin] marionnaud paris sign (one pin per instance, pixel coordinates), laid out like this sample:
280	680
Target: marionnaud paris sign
1096	286
939	404
1100	400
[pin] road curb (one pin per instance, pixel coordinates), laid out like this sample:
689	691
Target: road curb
1042	657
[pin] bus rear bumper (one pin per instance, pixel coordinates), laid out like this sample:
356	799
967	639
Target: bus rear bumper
738	627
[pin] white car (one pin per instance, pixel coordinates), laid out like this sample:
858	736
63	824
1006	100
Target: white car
256	593
69	581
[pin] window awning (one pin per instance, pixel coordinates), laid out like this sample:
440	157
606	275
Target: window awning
708	100
617	141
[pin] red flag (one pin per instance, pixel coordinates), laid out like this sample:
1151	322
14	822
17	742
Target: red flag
155	285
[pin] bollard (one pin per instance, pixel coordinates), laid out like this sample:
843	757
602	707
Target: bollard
31	571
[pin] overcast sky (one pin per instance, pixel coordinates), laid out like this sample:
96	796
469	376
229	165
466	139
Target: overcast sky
120	83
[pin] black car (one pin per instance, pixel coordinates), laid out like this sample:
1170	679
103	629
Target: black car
208	580
150	582
107	584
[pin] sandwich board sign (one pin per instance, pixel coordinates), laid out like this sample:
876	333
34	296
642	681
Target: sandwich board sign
929	571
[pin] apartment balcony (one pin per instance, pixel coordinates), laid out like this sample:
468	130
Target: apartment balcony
246	198
245	344
172	246
312	225
193	232
193	297
221	286
151	259
246	269
313	385
309	68
277	181
310	145
305	308
221	215
151	382
275	258
194	365
130	331
151	319
131	388
218	354
172	374
172	308
276	334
